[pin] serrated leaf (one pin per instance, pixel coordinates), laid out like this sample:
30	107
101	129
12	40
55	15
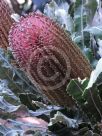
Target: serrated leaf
90	102
75	88
43	111
95	73
17	80
38	134
94	102
91	7
59	117
90	133
95	30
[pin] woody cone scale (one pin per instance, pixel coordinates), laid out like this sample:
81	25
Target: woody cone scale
48	56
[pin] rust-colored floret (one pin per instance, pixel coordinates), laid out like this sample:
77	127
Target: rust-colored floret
5	23
48	56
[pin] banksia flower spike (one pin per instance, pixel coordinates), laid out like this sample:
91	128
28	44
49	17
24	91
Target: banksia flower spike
48	56
5	23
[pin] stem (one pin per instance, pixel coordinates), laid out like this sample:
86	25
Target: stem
82	33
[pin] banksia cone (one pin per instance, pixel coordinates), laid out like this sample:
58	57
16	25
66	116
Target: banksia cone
5	23
48	56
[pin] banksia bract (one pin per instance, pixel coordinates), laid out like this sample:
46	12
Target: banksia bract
5	23
48	56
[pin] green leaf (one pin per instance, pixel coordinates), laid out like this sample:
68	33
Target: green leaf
91	7
90	102
75	88
95	30
59	117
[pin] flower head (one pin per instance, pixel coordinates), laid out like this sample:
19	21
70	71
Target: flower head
47	55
